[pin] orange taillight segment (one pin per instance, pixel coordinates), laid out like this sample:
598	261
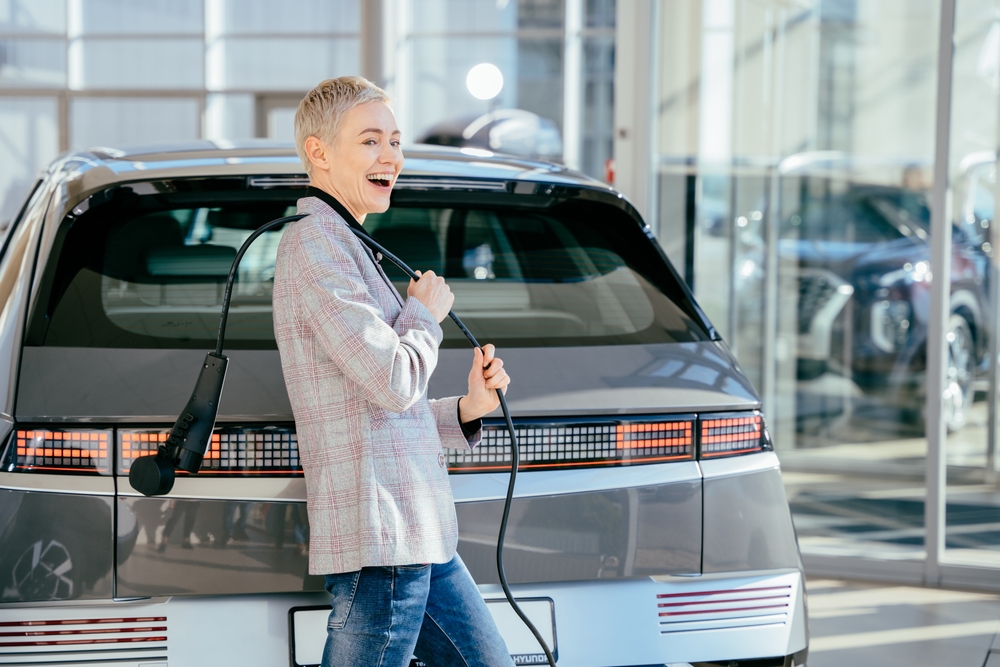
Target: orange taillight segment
579	445
232	450
654	435
731	434
60	450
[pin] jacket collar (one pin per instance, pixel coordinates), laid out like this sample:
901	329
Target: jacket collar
341	210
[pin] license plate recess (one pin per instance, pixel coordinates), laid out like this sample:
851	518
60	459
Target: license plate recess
307	631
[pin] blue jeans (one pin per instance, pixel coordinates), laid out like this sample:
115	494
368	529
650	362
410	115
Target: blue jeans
384	615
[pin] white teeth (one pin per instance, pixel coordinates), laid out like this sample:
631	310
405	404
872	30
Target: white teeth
379	177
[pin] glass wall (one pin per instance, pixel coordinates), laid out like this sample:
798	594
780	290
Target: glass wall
79	73
972	510
793	155
556	57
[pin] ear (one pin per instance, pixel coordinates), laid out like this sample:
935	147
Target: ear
318	153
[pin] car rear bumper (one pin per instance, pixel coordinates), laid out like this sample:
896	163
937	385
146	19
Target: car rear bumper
597	624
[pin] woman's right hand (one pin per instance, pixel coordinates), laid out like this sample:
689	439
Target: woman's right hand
432	291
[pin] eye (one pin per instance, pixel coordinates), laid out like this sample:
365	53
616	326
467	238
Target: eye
370	142
394	143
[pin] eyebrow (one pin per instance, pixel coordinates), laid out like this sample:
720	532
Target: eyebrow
375	130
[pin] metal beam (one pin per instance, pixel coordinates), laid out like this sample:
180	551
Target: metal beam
373	42
937	353
633	149
573	84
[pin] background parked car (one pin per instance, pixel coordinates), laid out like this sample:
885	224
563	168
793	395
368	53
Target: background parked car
864	297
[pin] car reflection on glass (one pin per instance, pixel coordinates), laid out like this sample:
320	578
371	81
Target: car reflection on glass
863	301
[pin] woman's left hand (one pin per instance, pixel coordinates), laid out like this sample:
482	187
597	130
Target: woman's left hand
487	375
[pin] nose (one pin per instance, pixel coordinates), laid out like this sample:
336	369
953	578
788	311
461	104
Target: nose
388	154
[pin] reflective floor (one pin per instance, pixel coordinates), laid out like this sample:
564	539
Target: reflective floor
865	498
874	625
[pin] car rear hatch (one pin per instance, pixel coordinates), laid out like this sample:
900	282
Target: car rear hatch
619	387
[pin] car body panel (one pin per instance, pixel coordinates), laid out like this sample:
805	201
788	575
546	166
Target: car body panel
121	385
213	630
652	530
268	561
751	523
55	546
589	539
96	384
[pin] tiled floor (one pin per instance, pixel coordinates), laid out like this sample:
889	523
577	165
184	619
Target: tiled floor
862	625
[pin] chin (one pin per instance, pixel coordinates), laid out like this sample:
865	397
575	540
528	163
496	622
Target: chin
379	206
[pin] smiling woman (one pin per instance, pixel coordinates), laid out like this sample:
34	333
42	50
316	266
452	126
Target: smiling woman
357	359
351	152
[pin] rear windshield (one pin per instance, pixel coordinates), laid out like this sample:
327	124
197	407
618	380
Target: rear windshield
149	272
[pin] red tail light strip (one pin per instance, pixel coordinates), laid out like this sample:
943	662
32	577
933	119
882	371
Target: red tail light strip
728	591
722	611
75	642
82	621
234	451
253	451
66	634
595	444
60	450
726	436
100	631
689	604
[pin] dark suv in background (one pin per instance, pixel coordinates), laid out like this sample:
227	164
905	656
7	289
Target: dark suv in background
863	253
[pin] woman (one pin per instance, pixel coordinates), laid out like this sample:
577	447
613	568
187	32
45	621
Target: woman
357	357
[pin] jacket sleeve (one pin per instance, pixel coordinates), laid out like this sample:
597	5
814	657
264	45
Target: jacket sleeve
391	364
449	428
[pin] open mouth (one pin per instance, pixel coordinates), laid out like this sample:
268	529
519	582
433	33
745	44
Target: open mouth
381	180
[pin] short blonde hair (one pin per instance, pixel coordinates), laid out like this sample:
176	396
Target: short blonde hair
322	110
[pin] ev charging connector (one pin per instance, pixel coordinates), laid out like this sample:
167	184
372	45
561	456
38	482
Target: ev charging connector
185	448
189	438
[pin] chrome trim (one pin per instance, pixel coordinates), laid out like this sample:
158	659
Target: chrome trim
214	487
741	574
265	182
449	184
816	343
474	487
727	466
470	487
91	485
98	603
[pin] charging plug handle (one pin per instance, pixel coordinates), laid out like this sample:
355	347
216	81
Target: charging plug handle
192	432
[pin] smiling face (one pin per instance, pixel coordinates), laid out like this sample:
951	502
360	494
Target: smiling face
360	166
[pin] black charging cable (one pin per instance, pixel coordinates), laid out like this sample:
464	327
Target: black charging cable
191	433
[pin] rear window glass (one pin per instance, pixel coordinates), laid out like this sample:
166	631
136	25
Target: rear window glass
150	273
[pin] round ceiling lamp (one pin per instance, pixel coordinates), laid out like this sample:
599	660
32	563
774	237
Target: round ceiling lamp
484	81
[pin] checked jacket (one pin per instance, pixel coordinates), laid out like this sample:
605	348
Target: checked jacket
356	358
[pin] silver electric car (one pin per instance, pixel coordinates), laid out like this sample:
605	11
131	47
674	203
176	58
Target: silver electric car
649	526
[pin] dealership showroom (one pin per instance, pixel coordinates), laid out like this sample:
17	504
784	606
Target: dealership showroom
738	260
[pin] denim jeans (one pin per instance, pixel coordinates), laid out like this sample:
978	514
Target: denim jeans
382	616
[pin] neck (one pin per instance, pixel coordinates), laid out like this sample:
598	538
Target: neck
317	181
336	205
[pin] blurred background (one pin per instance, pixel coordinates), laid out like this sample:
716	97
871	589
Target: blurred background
782	151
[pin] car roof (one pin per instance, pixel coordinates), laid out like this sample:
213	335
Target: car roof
95	168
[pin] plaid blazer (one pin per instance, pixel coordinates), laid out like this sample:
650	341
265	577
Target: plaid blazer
356	359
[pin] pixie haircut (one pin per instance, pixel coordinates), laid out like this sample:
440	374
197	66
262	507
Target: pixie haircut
321	111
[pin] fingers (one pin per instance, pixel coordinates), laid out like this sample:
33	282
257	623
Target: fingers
498	383
499	378
493	368
489	352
